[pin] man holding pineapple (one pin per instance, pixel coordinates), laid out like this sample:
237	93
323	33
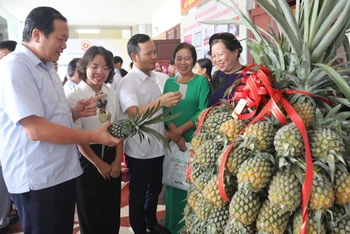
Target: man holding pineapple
39	156
139	90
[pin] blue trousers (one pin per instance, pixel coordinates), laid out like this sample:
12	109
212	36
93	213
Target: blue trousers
47	211
145	187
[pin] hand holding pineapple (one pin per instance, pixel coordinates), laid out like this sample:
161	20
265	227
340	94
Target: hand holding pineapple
170	99
103	137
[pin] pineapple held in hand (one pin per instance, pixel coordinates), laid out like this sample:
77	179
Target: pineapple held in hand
129	127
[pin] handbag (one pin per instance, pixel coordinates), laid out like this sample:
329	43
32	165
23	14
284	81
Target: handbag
175	166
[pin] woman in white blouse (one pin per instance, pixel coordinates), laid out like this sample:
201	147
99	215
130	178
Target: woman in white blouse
98	189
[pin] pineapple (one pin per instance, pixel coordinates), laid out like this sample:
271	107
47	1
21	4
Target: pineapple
256	171
202	208
192	196
288	141
236	227
285	190
129	127
214	122
190	218
264	132
198	140
306	112
304	66
202	180
314	226
232	128
271	219
218	219
211	191
208	153
235	159
197	171
342	187
322	195
245	206
341	221
212	111
190	221
325	142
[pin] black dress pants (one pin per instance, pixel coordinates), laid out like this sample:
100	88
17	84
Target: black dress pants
98	200
145	187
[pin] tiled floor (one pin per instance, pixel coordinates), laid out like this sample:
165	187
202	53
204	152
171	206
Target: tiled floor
124	217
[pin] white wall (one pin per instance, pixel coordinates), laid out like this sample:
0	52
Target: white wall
167	16
195	31
14	26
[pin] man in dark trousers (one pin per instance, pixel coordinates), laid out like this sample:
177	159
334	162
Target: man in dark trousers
139	89
39	158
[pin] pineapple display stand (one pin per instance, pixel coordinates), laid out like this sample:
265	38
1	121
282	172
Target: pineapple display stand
281	164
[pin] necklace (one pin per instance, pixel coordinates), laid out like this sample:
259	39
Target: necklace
104	114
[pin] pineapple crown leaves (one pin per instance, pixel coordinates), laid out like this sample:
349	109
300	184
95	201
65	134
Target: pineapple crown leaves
140	121
286	161
146	119
335	119
297	167
265	155
333	25
342	213
249	142
155	134
312	23
310	36
227	104
246	188
342	84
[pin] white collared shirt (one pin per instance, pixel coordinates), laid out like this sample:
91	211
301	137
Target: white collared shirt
83	91
161	79
29	87
68	86
116	80
138	89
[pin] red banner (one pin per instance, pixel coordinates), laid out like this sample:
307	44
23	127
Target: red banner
186	5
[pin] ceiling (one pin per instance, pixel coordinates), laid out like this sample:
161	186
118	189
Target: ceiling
123	13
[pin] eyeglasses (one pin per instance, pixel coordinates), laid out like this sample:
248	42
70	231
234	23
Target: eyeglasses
104	69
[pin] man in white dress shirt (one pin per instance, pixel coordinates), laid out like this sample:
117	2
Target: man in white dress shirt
39	156
139	89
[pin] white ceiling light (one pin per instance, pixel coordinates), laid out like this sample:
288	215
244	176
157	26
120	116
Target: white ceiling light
87	31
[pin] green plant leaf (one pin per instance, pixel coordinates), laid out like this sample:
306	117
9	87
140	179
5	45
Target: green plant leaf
284	25
337	78
329	36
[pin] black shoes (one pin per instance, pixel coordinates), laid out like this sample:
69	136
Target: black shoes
159	229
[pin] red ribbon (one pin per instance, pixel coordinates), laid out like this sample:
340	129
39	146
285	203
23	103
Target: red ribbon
257	90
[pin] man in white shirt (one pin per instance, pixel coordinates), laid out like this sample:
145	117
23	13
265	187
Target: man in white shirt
39	156
139	89
6	47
